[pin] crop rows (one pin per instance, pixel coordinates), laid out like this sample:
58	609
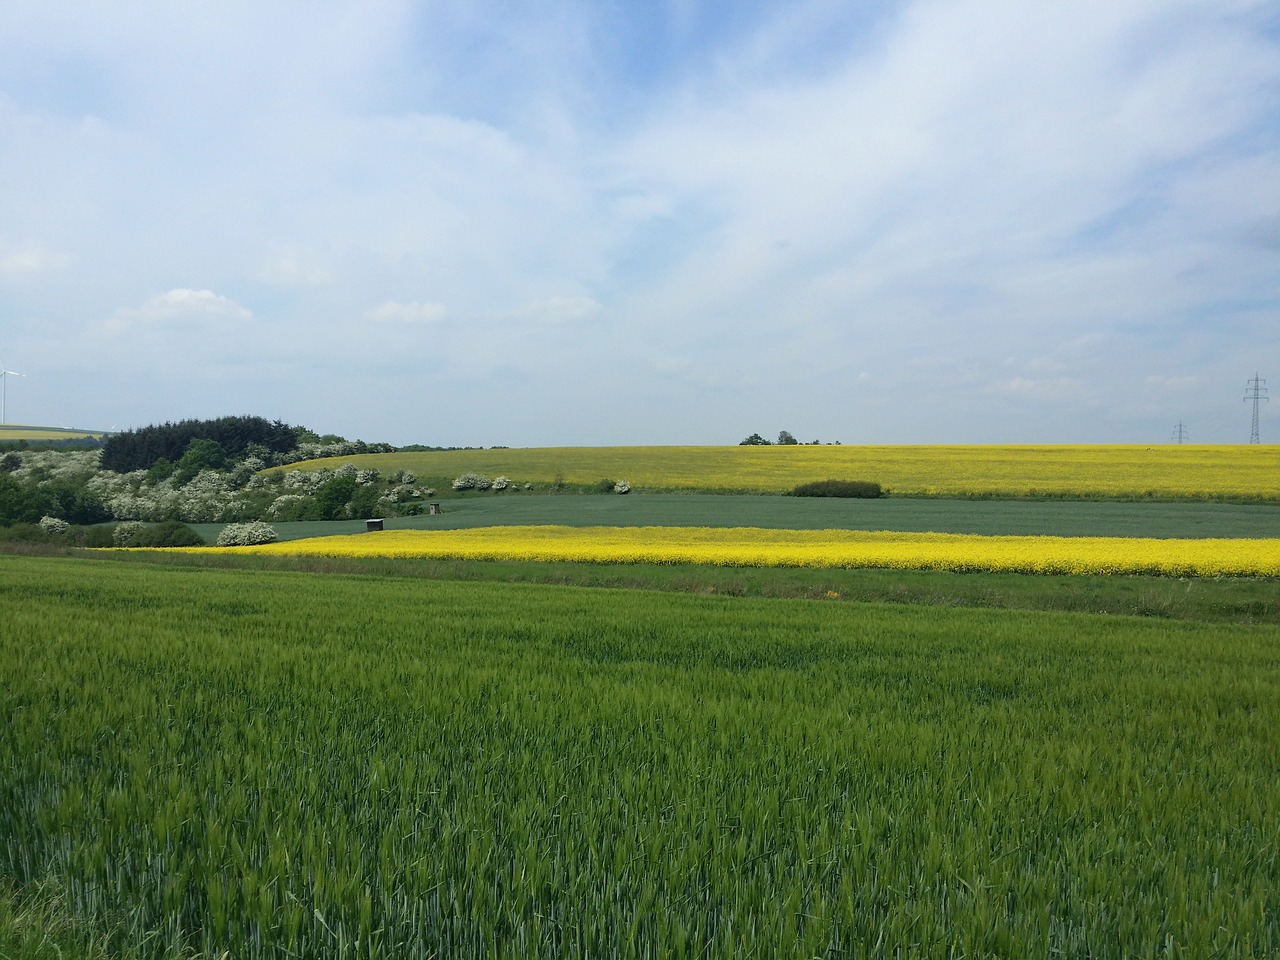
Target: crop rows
284	766
754	547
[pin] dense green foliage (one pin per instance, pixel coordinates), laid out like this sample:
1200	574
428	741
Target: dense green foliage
23	501
47	443
284	765
170	533
139	449
847	489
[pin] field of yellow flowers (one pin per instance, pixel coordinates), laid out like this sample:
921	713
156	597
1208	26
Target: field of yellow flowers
1182	471
752	547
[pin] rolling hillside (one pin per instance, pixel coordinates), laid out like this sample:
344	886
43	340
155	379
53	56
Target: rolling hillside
1184	472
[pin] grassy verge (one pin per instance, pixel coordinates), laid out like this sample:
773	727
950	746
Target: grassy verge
36	923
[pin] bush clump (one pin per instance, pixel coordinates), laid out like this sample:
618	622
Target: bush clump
99	535
855	489
126	534
246	534
171	533
54	526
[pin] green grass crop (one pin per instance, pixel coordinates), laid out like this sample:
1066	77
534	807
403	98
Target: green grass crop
1218	600
280	765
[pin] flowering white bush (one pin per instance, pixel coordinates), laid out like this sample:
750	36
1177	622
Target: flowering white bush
284	503
54	526
622	487
126	534
309	480
106	485
501	483
133	507
316	451
208	498
402	493
246	472
44	465
246	534
472	481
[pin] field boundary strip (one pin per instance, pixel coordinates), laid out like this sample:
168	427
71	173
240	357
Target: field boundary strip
757	547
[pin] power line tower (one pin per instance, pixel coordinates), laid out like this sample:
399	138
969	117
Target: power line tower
1180	433
1257	392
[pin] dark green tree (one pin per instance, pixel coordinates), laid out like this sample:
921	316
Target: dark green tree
23	502
200	455
332	496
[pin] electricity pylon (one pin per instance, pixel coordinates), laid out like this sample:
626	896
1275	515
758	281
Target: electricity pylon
1257	392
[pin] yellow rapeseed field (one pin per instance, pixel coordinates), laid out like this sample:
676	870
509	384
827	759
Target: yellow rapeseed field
9	434
1094	470
753	547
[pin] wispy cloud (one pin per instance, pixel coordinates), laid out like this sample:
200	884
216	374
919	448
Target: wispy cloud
29	258
732	218
412	312
183	304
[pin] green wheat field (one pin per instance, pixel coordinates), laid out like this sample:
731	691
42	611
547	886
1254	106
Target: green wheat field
264	763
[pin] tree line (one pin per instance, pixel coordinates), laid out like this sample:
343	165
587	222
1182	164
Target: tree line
142	448
785	439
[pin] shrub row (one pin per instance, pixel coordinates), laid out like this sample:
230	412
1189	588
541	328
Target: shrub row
856	489
129	533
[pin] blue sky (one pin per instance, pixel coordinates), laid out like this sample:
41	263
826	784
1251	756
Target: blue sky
564	223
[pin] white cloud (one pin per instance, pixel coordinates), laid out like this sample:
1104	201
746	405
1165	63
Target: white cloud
186	304
176	313
26	259
1177	384
769	214
561	310
1045	388
296	266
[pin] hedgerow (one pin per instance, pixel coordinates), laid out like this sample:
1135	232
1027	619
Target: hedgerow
853	489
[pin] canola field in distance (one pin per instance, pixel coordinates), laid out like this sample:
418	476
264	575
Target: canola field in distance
754	547
1177	471
10	433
